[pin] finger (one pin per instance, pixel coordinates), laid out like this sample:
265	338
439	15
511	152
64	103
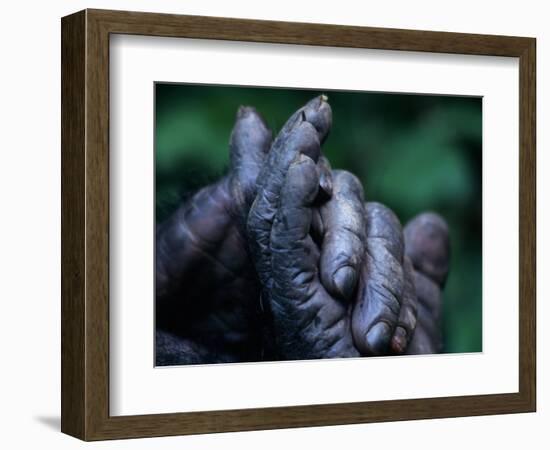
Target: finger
427	245
308	322
406	322
375	316
318	115
302	138
293	251
427	337
317	112
249	143
302	133
344	238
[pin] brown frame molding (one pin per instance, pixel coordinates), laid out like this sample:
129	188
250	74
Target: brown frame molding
85	224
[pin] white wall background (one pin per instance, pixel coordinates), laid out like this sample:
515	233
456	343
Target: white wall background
30	226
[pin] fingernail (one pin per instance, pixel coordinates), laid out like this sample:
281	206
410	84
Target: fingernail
316	102
345	279
297	120
399	340
378	338
319	114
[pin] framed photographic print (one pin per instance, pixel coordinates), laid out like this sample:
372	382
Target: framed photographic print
271	225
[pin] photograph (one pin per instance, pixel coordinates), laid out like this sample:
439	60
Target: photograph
290	221
302	224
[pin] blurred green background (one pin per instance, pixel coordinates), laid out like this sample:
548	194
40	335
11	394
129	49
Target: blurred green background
411	152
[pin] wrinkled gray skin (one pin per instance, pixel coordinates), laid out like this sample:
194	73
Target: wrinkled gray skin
307	320
207	290
385	316
205	283
333	277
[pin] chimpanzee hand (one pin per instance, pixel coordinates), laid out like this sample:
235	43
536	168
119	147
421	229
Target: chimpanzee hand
309	322
207	292
205	284
206	287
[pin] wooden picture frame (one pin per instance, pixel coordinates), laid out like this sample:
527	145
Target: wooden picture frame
85	224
